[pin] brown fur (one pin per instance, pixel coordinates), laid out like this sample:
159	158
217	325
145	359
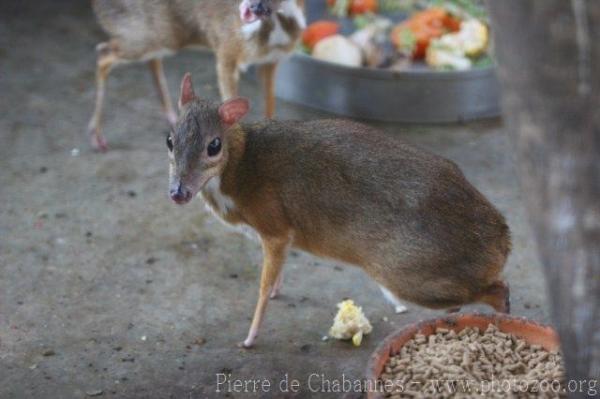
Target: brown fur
345	191
146	30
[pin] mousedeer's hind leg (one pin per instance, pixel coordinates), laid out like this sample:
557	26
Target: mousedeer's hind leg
107	57
497	295
399	307
277	287
158	74
274	254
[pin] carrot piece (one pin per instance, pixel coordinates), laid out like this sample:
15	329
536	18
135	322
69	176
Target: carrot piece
417	32
318	31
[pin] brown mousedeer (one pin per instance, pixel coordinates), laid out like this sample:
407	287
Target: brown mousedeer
241	32
344	191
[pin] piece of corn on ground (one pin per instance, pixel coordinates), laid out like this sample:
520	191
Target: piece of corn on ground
350	323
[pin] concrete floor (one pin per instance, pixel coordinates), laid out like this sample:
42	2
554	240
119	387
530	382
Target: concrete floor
107	288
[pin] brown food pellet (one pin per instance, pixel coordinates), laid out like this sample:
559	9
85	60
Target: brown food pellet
473	363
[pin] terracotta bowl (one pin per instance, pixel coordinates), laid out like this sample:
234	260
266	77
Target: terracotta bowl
532	332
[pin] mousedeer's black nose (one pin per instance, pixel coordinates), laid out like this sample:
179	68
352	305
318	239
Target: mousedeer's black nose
259	9
180	195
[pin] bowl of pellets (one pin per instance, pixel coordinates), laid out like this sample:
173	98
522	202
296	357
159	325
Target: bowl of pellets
468	356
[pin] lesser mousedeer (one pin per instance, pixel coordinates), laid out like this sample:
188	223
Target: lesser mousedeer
345	191
240	33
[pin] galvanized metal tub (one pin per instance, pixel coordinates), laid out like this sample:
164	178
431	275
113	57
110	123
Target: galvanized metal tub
420	96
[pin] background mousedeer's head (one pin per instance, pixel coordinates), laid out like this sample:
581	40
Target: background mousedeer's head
253	10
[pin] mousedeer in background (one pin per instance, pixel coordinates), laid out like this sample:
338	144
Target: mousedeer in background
240	33
342	190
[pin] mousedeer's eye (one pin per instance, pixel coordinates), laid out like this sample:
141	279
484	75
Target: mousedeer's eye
214	147
170	142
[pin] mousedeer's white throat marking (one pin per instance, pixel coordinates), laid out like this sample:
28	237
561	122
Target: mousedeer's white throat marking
249	30
223	204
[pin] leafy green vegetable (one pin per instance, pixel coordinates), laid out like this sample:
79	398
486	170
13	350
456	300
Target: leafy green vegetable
484	61
408	40
398	5
473	8
445	68
340	8
363	20
303	49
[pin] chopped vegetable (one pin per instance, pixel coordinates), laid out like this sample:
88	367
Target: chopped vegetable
373	43
454	49
363	6
485	61
446	34
343	8
350	323
471	39
416	33
407	6
463	8
339	50
407	42
318	31
447	58
339	8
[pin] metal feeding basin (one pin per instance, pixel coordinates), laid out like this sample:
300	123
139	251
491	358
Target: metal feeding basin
418	94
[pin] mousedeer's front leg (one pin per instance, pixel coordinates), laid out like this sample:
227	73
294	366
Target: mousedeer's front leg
274	255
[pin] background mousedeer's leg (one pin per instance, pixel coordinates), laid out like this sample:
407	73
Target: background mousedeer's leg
158	74
274	254
267	75
228	75
106	60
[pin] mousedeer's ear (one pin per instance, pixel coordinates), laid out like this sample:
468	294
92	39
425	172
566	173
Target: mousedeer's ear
233	110
187	90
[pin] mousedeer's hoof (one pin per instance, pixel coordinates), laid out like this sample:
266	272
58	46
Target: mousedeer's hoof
97	141
99	144
249	341
245	344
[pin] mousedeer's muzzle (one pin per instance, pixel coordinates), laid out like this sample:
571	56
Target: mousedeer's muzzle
260	9
180	195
